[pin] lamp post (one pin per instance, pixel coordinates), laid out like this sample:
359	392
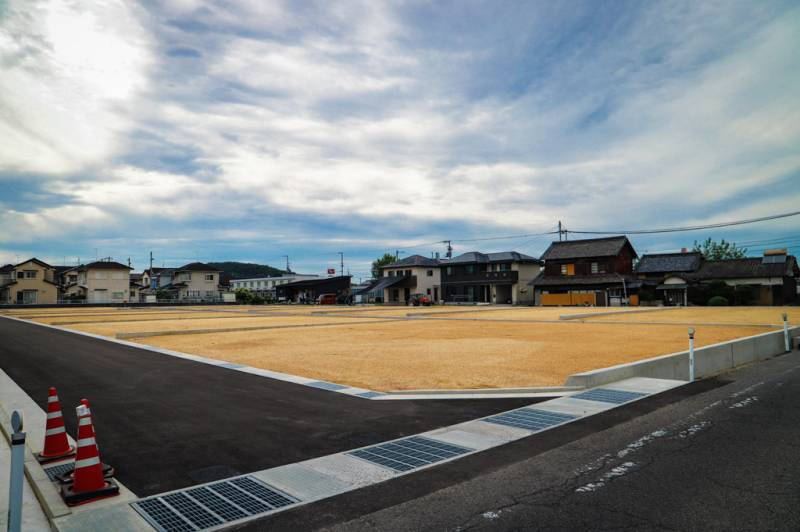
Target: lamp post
691	354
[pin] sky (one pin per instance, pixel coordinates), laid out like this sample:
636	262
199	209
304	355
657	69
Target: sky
251	130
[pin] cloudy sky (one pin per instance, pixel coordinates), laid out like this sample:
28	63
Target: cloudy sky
251	130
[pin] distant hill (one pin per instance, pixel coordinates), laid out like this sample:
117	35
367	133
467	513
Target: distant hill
243	270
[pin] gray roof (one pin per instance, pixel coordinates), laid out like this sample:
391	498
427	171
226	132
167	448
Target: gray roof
413	260
196	267
503	256
670	262
751	267
587	248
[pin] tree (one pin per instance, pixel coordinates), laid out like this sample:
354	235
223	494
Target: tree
712	250
387	258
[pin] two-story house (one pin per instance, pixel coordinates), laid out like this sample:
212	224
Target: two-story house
28	283
102	281
666	276
498	278
409	276
195	281
595	271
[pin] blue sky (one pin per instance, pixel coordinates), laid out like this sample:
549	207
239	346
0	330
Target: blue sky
252	130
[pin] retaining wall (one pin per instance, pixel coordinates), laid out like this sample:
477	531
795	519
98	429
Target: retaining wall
709	360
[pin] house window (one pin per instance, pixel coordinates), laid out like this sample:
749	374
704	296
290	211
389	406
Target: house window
504	267
567	269
469	268
30	274
449	270
429	291
209	277
209	293
598	267
101	275
429	273
408	273
117	295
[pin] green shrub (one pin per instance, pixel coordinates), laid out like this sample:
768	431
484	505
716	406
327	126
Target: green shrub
718	301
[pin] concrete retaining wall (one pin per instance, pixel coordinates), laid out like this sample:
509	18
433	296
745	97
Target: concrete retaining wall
709	360
582	315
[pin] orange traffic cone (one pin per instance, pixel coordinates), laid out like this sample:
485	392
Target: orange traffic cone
89	484
69	476
56	444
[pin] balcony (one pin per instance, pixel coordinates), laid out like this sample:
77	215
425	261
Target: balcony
481	277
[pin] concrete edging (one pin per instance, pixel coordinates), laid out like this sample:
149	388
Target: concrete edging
709	360
614	312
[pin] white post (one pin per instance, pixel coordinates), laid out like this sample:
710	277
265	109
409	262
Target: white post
691	354
17	468
786	337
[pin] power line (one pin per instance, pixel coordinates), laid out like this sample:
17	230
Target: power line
688	228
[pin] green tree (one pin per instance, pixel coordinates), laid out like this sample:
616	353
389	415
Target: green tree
713	250
387	258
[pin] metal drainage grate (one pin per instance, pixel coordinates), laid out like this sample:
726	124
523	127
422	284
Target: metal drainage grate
211	505
530	419
370	395
607	395
326	385
409	453
59	470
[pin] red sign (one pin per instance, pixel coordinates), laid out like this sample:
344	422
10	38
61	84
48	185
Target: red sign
331	271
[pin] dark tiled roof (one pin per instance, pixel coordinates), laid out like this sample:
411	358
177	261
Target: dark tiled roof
669	262
413	260
503	256
7	268
750	267
584	249
315	282
37	261
582	280
101	265
196	267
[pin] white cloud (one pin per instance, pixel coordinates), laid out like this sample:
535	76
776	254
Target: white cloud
70	73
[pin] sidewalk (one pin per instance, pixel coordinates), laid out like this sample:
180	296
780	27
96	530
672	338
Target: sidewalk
33	517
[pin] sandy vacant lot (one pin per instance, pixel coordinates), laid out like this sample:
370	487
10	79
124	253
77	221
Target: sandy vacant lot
446	354
743	315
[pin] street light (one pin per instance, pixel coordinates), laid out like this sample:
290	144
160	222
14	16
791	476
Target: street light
691	354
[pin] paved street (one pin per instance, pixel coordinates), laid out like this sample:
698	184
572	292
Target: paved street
166	422
724	456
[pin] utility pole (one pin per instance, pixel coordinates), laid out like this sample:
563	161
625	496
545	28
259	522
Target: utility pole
129	262
151	262
559	230
449	254
341	258
288	270
396	255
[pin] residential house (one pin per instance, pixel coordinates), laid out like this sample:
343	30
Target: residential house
196	281
135	286
266	286
28	283
103	281
666	276
595	271
408	276
309	290
685	278
500	278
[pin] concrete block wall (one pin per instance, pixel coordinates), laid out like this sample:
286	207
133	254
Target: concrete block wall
709	360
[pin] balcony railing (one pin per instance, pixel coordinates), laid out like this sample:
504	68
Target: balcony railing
481	277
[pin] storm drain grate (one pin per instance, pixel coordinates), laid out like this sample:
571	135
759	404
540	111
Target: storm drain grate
323	385
62	469
211	505
409	453
607	395
530	419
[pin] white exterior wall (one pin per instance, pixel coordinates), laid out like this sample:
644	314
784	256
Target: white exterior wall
521	293
424	282
200	285
268	283
106	285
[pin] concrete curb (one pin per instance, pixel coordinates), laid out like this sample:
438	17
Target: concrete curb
480	391
148	334
44	489
614	312
709	360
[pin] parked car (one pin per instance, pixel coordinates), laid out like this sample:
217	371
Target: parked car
326	299
419	299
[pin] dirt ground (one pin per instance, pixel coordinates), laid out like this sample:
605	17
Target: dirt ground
447	354
743	315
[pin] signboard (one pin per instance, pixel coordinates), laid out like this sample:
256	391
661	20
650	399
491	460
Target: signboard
331	271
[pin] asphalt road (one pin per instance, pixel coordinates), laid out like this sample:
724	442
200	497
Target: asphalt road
166	423
719	454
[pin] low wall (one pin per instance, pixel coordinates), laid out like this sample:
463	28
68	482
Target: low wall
582	315
709	360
